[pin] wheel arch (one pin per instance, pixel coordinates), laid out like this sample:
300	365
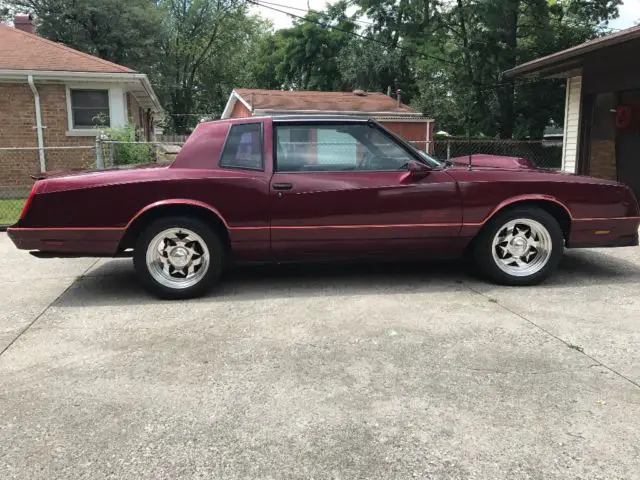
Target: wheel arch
551	205
554	207
177	207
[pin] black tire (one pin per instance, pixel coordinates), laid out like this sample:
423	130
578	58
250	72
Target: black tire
483	244
217	254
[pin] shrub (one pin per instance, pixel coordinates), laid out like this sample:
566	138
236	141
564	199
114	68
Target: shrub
127	153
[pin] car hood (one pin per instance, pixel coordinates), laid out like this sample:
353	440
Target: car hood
490	164
493	161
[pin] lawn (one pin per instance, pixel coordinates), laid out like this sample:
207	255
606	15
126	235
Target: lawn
10	209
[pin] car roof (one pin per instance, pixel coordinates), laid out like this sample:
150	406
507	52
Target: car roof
319	118
292	119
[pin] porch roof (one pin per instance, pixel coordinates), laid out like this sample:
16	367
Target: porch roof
571	58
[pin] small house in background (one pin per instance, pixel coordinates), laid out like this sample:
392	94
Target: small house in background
54	96
553	136
601	134
390	112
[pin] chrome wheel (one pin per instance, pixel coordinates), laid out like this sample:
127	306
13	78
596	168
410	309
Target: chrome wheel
178	258
522	247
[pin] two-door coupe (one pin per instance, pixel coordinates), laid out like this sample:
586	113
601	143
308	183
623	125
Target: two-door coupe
296	188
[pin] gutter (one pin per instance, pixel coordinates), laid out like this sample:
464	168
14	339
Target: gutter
10	74
60	75
36	99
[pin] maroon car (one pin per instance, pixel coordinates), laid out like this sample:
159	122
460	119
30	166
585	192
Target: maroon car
296	188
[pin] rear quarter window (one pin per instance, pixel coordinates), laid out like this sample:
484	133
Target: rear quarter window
243	147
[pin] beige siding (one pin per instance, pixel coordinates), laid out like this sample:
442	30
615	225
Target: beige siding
571	124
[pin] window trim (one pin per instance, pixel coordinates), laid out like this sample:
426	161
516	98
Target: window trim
371	124
72	131
226	140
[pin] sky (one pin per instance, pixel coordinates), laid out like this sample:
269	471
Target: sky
629	12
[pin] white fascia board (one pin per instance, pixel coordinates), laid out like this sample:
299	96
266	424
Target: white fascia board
233	98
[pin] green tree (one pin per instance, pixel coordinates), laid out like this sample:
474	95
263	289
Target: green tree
263	60
457	51
205	48
122	31
308	50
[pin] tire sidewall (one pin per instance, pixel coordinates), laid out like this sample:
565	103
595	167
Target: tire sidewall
483	247
214	245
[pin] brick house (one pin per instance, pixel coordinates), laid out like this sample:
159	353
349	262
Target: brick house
394	115
54	96
602	105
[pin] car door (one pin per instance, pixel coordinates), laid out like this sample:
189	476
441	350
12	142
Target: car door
344	188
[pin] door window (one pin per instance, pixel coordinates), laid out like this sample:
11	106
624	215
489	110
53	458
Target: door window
243	148
327	148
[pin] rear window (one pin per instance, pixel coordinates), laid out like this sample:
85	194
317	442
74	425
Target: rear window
243	148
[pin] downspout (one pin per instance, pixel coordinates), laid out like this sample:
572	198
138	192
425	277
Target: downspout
36	98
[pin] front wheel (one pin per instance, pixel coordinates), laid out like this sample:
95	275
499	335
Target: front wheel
178	257
521	246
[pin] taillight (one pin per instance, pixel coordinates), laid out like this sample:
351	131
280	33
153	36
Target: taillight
27	202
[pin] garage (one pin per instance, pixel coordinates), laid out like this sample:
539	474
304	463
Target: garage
602	105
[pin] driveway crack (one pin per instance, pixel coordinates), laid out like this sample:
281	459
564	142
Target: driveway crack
568	344
32	323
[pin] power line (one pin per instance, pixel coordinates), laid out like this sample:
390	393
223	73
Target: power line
354	34
310	11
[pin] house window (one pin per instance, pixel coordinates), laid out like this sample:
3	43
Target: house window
90	109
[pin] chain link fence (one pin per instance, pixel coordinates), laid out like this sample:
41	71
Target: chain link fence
110	154
17	164
542	153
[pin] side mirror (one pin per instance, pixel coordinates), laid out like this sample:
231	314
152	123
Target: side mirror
418	170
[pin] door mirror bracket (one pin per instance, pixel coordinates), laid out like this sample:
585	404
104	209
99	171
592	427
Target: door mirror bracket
418	170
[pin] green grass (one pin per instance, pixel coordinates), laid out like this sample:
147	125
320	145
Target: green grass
10	209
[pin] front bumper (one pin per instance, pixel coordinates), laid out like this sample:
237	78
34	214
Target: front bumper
604	233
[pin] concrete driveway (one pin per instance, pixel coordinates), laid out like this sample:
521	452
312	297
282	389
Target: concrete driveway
320	372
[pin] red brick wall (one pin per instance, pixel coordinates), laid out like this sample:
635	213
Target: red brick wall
240	111
17	118
602	159
17	129
410	131
138	117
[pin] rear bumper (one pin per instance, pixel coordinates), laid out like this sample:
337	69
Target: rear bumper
78	241
604	233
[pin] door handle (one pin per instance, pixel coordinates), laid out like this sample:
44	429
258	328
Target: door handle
282	186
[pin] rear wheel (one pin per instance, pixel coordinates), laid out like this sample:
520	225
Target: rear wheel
178	257
520	246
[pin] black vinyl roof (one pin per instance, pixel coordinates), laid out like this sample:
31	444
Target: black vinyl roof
319	118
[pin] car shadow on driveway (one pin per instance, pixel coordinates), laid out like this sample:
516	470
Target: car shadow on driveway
114	282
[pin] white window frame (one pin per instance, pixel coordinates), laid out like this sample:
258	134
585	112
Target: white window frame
117	108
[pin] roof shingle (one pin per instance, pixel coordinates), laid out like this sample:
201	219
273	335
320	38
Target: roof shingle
25	51
321	101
